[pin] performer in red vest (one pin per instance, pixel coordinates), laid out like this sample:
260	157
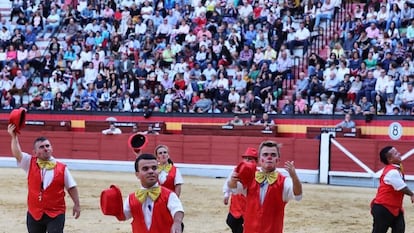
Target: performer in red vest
267	191
169	175
238	201
154	209
387	206
47	180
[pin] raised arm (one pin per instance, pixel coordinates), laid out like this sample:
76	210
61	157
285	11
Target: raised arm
15	146
232	182
297	185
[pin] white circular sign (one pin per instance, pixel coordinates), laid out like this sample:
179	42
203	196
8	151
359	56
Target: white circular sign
395	131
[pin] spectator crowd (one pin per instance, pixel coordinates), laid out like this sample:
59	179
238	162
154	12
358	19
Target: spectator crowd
207	56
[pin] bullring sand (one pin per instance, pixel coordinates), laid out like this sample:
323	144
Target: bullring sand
324	209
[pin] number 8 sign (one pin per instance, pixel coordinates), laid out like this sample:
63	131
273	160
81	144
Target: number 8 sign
395	131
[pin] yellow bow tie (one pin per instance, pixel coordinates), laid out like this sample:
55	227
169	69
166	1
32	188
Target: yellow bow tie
48	165
269	177
166	167
152	193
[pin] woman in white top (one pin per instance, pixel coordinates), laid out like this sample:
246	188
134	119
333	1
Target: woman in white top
77	64
22	55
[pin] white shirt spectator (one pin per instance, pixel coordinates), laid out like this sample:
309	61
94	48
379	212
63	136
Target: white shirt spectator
146	12
239	84
5	35
245	11
234	97
90	76
381	84
199	10
22	55
140	29
5	84
209	72
112	130
302	34
164	28
86	56
223	82
382	15
53	19
19	81
317	108
389	86
77	64
408	96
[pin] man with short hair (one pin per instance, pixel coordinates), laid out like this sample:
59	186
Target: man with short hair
267	191
153	208
326	12
302	36
47	179
387	207
408	98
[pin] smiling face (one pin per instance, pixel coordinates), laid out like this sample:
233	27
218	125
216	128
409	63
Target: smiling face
43	149
147	172
394	157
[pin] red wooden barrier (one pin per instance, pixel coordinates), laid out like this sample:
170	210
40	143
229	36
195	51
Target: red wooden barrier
368	152
183	148
208	149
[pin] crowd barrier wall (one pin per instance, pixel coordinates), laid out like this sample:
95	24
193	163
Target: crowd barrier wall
189	149
208	150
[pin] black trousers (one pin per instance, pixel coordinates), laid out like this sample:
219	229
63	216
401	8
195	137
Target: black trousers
235	224
45	224
383	220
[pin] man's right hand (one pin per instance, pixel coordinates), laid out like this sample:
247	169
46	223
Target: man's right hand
226	200
11	130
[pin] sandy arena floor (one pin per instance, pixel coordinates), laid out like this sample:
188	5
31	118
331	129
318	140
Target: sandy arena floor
324	209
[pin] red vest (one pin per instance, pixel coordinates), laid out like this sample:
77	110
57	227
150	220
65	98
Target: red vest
52	202
387	196
169	181
237	205
266	217
161	217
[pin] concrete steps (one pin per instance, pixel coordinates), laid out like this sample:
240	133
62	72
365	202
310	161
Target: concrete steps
5	8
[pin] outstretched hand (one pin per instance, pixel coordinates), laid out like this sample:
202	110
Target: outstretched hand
290	168
232	183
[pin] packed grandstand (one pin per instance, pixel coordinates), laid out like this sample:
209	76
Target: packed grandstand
207	56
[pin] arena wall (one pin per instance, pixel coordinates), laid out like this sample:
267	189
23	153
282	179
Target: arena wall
213	156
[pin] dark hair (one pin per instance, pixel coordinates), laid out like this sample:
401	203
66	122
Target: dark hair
270	144
39	139
143	157
384	154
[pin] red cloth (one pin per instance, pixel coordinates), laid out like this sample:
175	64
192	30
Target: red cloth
169	182
161	217
118	15
180	84
387	196
53	197
267	217
237	205
257	11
